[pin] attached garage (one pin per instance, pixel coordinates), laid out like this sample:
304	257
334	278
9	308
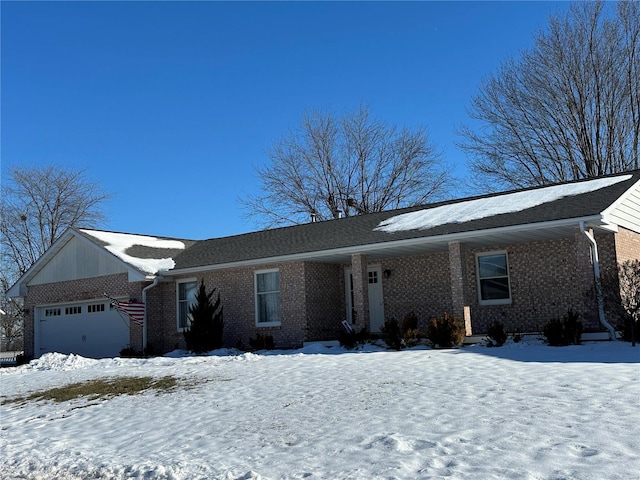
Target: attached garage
90	329
66	309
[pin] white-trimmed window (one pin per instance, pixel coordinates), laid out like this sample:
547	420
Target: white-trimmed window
493	278
267	292
186	293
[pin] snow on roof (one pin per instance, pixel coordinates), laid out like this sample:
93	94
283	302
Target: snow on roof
119	243
487	207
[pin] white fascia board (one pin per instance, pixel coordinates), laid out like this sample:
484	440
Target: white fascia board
595	221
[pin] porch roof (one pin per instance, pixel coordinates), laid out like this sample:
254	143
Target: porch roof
336	240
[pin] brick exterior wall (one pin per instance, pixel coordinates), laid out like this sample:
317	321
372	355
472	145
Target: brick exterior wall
325	301
237	297
419	284
627	245
76	291
547	279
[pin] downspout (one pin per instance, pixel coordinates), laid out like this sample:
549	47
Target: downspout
144	323
596	275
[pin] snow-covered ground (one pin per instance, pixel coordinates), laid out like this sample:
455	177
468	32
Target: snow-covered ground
522	411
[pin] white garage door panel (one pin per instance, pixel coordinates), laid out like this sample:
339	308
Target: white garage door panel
89	334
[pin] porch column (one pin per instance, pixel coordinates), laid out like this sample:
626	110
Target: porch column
360	291
458	272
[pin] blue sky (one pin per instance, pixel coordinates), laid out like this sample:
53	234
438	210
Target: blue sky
170	105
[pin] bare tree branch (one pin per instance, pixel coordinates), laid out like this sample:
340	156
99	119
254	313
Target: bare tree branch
349	165
38	204
568	108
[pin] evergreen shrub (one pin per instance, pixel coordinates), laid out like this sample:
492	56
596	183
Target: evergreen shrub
563	331
392	335
445	331
205	331
411	334
262	342
496	335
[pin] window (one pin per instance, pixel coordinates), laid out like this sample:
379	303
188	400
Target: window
95	308
73	310
52	312
267	284
493	279
187	291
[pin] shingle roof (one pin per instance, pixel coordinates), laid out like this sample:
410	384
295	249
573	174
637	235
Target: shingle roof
145	253
363	229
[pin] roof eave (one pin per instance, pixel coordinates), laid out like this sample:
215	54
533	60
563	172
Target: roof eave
596	221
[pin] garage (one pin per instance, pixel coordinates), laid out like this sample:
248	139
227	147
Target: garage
91	329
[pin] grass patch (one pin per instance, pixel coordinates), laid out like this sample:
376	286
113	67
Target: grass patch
100	389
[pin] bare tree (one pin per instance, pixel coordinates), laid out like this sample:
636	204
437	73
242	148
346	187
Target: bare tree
349	165
39	204
568	108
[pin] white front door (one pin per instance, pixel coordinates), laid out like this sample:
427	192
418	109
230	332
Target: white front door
376	300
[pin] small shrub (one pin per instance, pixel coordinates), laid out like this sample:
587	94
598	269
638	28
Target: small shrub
625	326
151	351
411	335
496	335
553	332
446	331
563	331
129	352
261	342
351	340
392	335
409	323
572	327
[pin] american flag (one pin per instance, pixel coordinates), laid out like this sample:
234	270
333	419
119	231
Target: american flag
134	310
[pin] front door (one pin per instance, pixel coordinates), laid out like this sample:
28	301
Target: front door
376	300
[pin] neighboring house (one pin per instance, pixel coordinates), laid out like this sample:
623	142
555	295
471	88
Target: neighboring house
520	257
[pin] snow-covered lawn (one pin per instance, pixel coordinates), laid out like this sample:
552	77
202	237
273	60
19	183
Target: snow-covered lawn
523	411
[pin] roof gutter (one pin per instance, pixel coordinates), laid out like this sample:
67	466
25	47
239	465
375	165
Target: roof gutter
146	314
367	248
596	275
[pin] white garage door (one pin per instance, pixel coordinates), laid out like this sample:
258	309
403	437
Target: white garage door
90	329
